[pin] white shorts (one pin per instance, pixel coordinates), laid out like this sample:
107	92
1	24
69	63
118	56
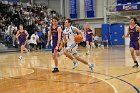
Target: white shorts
72	48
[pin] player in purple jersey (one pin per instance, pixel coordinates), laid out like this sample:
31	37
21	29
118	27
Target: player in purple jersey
22	36
56	34
133	32
88	30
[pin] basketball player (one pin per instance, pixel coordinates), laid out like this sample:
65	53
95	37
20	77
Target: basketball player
88	30
133	31
22	37
69	34
55	32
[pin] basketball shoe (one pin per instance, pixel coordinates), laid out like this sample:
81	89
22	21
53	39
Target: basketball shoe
91	67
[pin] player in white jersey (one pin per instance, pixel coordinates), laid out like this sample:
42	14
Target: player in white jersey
69	34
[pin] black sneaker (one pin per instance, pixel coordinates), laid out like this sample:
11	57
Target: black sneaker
135	64
55	70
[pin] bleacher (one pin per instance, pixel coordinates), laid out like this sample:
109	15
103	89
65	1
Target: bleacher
33	19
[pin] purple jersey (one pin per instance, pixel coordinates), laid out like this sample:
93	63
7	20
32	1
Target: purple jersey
54	33
134	34
22	37
89	36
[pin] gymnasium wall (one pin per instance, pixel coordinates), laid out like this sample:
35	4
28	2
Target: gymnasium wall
99	8
127	40
99	12
81	9
67	11
55	4
45	2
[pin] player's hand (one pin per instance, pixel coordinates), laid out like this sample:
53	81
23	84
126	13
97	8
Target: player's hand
47	45
17	36
139	37
89	32
123	36
56	47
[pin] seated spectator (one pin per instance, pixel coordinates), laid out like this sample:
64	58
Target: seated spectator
14	32
96	40
105	41
40	40
8	40
33	41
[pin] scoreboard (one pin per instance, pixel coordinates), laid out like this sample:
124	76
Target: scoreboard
128	5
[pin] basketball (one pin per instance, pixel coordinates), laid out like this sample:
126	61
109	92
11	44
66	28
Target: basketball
78	38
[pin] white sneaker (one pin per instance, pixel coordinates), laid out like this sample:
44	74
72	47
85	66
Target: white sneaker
28	51
102	46
75	64
20	57
91	67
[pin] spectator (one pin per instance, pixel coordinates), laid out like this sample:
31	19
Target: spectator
40	40
105	41
96	40
33	41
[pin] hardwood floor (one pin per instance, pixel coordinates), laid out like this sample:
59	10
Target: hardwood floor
113	73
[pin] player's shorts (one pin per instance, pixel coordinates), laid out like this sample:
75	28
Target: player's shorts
89	39
22	42
59	48
72	48
134	45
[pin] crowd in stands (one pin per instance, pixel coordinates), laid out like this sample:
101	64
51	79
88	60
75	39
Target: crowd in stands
36	21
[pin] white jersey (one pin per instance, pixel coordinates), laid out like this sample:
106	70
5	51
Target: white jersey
33	39
69	32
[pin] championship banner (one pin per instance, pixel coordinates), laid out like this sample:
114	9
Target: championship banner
90	8
73	8
128	7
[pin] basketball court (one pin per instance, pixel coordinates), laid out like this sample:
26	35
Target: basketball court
112	74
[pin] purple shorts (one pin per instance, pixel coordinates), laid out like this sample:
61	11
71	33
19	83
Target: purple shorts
54	45
59	47
134	45
22	42
89	39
